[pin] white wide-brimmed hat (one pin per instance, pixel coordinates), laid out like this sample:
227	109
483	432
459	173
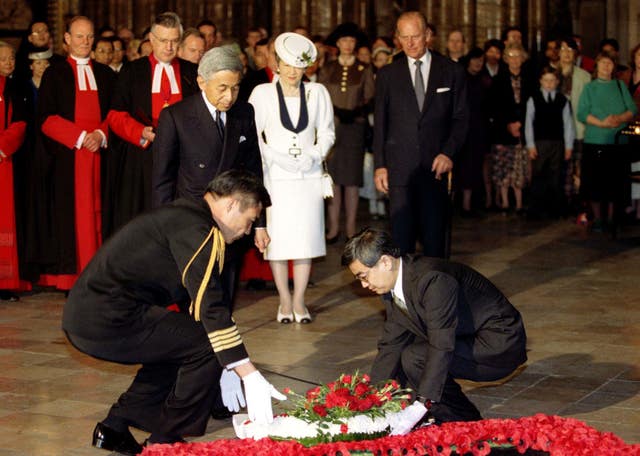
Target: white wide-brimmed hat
295	50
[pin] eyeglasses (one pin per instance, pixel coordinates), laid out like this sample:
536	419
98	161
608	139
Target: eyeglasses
364	275
165	41
566	49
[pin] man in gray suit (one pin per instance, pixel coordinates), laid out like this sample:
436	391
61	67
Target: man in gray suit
444	321
421	120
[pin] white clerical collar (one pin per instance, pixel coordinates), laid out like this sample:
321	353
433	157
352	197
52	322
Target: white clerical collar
80	60
397	287
157	78
84	73
213	111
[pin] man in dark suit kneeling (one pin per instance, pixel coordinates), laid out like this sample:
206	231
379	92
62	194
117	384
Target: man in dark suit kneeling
444	321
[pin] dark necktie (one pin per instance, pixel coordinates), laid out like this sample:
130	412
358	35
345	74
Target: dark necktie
419	84
220	125
549	100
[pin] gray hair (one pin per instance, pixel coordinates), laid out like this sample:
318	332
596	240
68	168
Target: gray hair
4	44
368	246
219	59
167	20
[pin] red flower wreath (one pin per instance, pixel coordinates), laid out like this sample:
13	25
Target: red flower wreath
554	435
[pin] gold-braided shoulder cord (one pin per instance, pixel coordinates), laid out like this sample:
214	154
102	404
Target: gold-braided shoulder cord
217	254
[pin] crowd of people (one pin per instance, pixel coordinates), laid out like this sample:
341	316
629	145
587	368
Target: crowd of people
503	132
223	141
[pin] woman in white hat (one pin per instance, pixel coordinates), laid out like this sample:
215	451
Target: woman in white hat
295	129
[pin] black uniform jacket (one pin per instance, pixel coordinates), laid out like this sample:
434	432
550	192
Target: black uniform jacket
448	302
129	283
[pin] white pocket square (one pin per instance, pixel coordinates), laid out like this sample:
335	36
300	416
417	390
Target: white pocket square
442	89
242	139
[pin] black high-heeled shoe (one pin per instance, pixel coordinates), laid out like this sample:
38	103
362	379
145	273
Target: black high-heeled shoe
332	240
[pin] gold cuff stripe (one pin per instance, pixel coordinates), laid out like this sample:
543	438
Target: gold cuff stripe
220	348
225	339
223	332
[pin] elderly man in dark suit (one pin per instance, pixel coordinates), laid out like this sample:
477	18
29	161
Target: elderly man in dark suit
444	321
421	120
206	134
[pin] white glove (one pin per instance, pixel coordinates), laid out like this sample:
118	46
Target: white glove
259	393
305	162
286	162
231	389
403	421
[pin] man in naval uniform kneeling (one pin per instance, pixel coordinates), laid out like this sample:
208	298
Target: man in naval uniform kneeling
118	311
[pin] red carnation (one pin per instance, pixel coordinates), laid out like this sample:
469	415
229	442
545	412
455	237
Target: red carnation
313	393
361	389
344	428
346	379
337	400
287	390
320	410
365	404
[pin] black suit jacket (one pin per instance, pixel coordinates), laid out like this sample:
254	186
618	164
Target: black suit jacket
188	152
406	140
448	302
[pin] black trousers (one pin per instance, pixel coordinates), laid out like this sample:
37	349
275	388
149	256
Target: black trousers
453	404
173	393
546	170
420	211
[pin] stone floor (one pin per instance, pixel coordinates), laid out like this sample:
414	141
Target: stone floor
578	293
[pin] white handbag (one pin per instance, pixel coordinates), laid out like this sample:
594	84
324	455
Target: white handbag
327	182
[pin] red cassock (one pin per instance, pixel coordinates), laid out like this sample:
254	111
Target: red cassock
11	137
87	205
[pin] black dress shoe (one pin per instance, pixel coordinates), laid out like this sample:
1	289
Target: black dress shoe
8	296
109	439
221	413
163	440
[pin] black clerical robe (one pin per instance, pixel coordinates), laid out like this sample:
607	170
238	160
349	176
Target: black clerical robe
129	180
57	97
